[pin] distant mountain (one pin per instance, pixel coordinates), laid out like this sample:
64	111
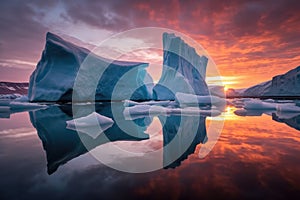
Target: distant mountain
13	88
287	84
258	90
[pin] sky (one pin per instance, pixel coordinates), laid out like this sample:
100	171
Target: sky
250	41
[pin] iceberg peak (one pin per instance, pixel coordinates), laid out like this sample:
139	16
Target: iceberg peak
183	70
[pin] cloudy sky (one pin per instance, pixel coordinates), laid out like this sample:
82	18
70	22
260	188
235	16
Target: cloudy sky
250	41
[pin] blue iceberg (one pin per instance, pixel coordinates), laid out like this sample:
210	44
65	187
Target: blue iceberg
54	77
183	70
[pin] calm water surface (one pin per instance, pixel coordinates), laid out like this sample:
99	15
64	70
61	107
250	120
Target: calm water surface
256	156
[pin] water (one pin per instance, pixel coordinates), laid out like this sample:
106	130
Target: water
255	157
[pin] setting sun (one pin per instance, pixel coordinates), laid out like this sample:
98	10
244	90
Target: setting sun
225	88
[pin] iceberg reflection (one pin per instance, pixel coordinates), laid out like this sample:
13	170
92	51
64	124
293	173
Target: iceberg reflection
292	120
62	144
181	134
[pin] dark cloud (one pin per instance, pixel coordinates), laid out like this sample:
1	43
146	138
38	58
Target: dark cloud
21	34
255	29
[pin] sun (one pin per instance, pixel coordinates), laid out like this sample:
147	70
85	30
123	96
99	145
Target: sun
225	89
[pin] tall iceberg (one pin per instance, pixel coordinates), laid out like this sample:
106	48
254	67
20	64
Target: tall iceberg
183	70
55	74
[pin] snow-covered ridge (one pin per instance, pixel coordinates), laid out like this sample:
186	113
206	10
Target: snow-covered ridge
287	84
258	90
13	88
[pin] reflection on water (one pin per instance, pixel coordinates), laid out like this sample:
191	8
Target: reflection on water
255	157
62	144
291	119
190	131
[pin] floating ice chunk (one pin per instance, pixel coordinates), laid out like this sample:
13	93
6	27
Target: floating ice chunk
129	103
93	124
14	105
288	107
194	111
5	99
23	98
9	96
269	100
216	90
140	111
243	112
4	109
286	115
256	104
190	99
5	102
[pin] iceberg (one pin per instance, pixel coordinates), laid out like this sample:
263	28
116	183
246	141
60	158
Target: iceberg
141	111
190	99
93	124
15	103
243	112
6	99
288	107
129	103
217	90
25	106
256	104
23	98
183	70
4	109
55	74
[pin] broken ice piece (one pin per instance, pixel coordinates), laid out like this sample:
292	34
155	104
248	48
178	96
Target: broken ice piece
93	124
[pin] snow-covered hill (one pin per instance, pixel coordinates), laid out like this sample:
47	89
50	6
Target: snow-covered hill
258	90
13	88
287	84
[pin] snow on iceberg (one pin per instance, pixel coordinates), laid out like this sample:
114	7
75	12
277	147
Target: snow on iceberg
93	124
183	70
54	76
